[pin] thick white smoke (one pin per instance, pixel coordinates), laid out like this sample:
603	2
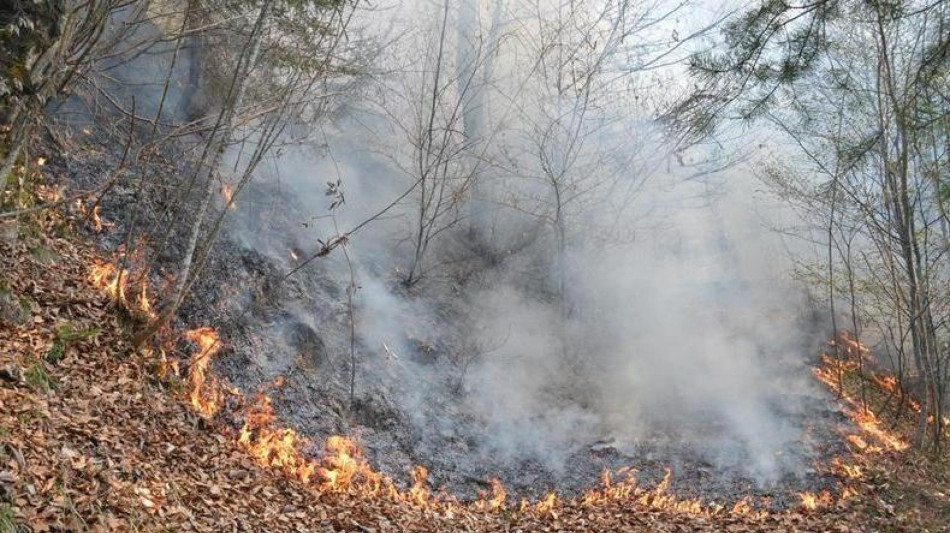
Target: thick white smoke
678	320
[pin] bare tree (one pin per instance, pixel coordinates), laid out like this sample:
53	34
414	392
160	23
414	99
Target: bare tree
863	103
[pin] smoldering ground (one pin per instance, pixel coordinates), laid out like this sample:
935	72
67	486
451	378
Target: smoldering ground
662	330
685	344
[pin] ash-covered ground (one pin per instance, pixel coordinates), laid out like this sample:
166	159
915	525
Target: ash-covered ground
413	395
682	350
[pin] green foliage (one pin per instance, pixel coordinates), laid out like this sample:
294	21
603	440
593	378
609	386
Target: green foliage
27	28
65	335
7	525
56	352
37	377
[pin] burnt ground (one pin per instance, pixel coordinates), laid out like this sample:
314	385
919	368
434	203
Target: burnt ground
409	408
409	405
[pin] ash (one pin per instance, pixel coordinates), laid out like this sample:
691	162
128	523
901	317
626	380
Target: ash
683	351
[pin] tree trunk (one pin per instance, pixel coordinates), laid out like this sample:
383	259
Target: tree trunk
219	143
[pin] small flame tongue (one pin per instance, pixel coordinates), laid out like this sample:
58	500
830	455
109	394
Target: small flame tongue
343	469
205	395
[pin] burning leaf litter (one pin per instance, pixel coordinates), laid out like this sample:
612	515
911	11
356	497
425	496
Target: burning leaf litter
107	451
343	468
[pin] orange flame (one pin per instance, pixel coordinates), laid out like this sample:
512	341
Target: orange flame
547	505
205	395
144	305
227	192
811	501
419	492
866	420
494	500
96	220
110	279
849	471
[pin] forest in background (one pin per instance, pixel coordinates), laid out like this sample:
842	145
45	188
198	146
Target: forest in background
532	161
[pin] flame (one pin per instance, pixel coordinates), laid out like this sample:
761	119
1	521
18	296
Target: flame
342	469
227	192
866	420
546	505
96	220
871	437
743	507
110	279
849	471
889	383
811	501
114	281
143	303
658	498
847	492
205	394
493	501
419	492
277	448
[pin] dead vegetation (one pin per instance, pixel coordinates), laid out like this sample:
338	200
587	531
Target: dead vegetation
97	437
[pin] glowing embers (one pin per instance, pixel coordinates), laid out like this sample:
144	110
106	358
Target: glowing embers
205	394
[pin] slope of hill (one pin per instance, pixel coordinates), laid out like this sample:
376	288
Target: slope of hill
95	436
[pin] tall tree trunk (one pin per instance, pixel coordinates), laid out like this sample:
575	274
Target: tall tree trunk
242	76
217	144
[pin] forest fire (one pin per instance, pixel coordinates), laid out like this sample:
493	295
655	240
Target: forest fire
658	498
494	500
110	279
811	501
205	395
227	192
94	216
419	492
114	281
828	373
96	220
143	302
343	468
273	448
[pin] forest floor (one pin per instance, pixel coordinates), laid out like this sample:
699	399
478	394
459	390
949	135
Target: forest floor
97	436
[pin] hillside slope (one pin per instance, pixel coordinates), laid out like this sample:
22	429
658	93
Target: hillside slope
91	439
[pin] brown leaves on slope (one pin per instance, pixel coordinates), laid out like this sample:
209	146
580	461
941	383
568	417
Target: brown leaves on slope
90	440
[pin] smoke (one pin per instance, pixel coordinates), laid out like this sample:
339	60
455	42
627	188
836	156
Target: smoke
651	308
687	331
